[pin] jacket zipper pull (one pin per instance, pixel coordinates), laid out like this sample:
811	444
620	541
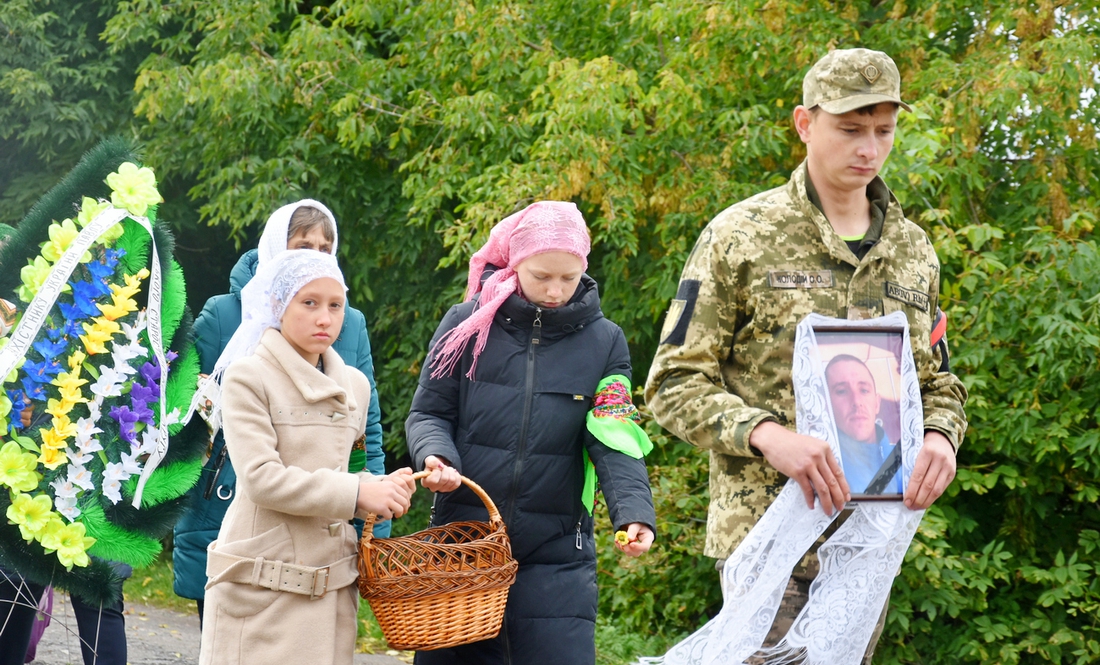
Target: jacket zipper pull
578	534
536	327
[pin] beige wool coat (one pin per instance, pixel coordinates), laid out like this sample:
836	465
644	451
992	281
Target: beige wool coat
289	429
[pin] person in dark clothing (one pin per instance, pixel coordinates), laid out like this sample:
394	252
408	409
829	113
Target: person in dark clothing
534	410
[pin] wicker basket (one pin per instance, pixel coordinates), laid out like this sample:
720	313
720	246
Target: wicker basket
440	587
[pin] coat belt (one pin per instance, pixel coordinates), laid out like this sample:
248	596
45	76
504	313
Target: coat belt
312	581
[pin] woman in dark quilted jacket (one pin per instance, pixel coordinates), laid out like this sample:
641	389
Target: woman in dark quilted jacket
527	392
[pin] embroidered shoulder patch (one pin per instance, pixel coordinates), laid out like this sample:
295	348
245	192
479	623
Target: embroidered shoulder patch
801	279
679	313
910	297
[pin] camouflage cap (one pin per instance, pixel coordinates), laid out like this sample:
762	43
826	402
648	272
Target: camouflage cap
849	79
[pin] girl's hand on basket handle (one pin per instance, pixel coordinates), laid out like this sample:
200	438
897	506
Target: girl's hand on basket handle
404	477
443	477
639	538
386	498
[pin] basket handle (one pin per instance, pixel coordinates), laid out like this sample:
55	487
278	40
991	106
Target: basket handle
494	515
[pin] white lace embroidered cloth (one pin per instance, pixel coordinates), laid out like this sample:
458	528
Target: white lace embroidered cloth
858	562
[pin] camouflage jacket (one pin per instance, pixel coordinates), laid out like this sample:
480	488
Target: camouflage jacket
723	365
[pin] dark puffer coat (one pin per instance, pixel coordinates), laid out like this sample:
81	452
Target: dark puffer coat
518	430
220	317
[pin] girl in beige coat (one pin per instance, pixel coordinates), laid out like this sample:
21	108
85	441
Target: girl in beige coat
282	571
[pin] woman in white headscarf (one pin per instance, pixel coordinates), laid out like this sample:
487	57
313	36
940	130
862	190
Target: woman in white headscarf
282	571
305	224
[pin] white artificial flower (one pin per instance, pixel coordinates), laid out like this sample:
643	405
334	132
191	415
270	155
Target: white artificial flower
109	383
112	489
172	417
78	458
130	464
115	473
149	439
63	489
88	447
93	409
122	354
80	477
86	429
67	507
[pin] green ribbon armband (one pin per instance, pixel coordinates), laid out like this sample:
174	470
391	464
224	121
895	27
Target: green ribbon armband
613	420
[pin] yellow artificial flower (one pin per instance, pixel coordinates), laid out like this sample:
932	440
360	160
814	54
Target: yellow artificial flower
51	458
31	514
133	188
59	407
61	236
76	360
70	543
118	309
69	381
18	468
98	334
89	210
63	426
133	285
34	275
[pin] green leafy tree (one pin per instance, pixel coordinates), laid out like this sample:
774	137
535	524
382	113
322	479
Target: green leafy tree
423	123
62	89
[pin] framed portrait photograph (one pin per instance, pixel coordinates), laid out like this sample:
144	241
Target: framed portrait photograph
859	384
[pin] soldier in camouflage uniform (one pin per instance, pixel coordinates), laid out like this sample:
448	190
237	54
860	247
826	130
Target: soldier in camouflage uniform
833	240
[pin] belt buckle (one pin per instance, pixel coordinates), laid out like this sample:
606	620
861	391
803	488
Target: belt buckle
313	595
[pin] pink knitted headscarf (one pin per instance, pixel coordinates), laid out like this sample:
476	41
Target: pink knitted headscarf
546	226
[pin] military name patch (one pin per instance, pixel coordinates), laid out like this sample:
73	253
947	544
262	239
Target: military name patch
800	279
916	299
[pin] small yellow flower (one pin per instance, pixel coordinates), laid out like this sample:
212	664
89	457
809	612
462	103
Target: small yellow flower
63	426
76	360
59	407
133	188
61	236
32	514
51	458
118	309
18	468
133	285
69	381
98	334
70	542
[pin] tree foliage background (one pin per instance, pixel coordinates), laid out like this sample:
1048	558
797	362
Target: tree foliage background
423	123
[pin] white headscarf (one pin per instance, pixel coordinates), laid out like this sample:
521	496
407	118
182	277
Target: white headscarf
263	301
277	230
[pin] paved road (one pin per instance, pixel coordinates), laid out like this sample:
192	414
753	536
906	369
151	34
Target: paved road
154	636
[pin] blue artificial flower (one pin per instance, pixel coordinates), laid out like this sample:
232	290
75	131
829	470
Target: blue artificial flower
49	350
151	373
85	294
111	257
126	419
73	329
143	413
42	372
101	271
18	403
144	394
34	391
53	333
